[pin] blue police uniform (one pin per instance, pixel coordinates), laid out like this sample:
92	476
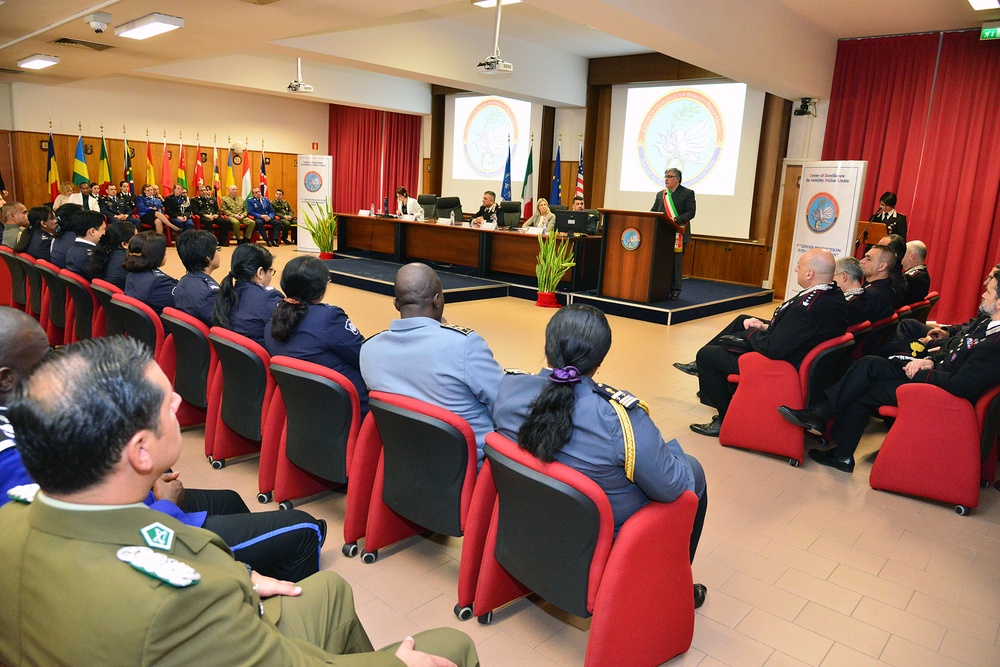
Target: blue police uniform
12	471
258	207
113	271
154	288
146	207
60	246
448	366
325	336
195	295
253	310
78	256
34	241
596	445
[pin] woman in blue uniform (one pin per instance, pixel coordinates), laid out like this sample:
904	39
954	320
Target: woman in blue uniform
150	209
36	238
145	281
305	328
562	415
108	259
195	293
246	299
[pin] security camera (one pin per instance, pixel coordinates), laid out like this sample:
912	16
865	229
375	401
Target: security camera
98	21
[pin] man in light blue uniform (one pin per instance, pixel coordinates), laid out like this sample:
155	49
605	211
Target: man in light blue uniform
463	376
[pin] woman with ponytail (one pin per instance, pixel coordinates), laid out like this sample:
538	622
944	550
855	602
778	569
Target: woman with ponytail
246	299
147	251
306	328
562	415
108	258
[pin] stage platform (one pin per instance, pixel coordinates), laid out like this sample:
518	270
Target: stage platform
374	272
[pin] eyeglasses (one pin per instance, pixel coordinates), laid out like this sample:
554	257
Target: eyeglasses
271	271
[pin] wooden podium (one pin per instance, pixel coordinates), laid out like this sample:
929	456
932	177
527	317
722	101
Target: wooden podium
869	233
638	256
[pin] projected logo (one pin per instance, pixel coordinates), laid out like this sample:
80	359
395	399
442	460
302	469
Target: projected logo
683	130
485	137
822	212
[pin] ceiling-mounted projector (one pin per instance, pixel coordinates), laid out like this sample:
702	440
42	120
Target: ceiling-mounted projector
299	86
494	64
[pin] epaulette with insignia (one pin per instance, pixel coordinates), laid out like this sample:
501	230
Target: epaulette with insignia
159	566
25	493
465	331
515	371
623	398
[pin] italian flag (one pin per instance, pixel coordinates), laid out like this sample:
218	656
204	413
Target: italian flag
528	189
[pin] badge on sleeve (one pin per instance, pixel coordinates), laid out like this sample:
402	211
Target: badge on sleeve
159	566
158	536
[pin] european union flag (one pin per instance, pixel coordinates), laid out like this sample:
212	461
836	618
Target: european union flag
555	198
505	188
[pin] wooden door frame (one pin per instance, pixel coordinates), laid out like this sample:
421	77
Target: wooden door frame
784	231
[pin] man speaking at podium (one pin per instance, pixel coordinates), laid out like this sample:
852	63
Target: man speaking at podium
678	203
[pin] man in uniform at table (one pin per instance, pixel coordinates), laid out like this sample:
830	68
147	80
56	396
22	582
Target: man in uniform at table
109	581
488	209
679	205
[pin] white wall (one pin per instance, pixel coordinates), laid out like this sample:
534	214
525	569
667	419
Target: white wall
286	126
5	107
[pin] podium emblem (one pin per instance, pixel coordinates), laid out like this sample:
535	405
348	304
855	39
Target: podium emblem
631	238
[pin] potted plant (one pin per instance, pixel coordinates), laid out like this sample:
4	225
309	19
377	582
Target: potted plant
554	260
321	223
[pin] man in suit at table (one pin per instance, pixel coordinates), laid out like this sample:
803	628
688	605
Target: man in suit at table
678	203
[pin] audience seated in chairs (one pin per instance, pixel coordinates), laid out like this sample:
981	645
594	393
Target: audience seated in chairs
87	198
150	209
898	246
15	218
876	265
848	277
259	210
147	252
206	208
90	229
817	313
304	327
36	238
246	299
108	259
177	207
918	280
965	366
283	213
234	211
562	415
65	192
464	377
196	290
65	233
119	207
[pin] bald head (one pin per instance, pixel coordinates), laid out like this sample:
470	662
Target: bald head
815	266
25	344
418	292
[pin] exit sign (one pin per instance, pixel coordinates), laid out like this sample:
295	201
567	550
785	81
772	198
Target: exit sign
991	30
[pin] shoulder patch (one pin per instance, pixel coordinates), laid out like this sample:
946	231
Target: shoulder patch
515	371
465	331
24	493
159	566
623	398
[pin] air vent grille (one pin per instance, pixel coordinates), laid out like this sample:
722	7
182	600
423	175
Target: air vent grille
93	46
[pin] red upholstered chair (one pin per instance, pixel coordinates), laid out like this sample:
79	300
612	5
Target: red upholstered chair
424	477
33	285
6	278
940	446
191	368
53	302
141	322
752	421
106	322
552	533
322	419
238	400
933	297
81	307
18	280
916	311
878	335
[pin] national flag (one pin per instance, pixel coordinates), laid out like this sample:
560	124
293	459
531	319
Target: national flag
555	198
263	174
579	174
230	180
127	171
216	181
150	176
3	186
165	173
182	179
52	170
505	187
104	173
528	189
199	168
246	175
80	172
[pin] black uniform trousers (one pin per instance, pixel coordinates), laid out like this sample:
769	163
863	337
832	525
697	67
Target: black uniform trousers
869	383
281	544
715	364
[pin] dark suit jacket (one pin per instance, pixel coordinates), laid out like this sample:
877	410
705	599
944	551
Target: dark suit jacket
918	284
896	225
684	202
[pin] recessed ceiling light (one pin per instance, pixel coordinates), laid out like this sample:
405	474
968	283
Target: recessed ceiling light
38	61
979	5
149	26
493	3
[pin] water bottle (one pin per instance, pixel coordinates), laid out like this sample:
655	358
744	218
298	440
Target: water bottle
453	217
371	211
493	219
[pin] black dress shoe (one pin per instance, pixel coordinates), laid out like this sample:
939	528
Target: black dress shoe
690	369
699	595
807	419
710	429
674	296
829	458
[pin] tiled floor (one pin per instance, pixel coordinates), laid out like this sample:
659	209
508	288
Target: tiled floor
805	566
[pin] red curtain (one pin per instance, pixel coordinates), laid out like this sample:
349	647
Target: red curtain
374	152
924	111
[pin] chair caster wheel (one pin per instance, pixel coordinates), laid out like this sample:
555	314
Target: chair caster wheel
962	510
285	505
795	463
350	550
264	498
486	618
218	464
463	613
368	557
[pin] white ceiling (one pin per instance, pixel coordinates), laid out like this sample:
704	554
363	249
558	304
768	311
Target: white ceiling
782	46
